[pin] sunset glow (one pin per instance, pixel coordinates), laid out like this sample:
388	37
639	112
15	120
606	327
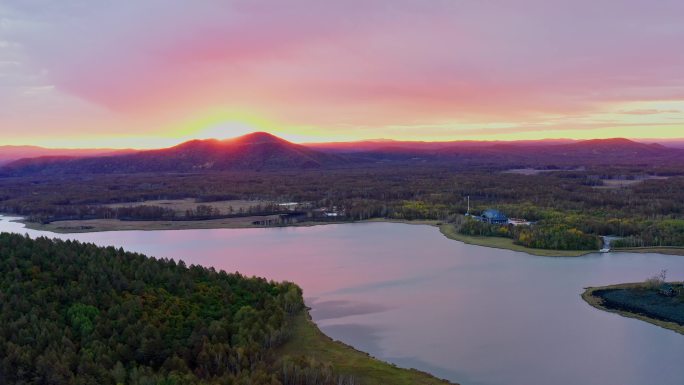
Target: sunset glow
156	73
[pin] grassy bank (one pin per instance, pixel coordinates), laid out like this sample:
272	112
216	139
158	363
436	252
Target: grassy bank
98	225
308	340
428	222
506	243
660	250
596	301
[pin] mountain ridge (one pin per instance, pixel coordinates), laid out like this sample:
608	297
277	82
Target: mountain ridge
10	153
254	152
261	151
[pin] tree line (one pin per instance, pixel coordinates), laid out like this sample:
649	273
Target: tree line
559	199
538	236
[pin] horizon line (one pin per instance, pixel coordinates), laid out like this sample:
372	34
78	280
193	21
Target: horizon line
305	143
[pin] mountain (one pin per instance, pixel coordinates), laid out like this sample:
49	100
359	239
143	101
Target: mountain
541	153
613	145
617	150
671	143
258	151
264	152
11	153
389	145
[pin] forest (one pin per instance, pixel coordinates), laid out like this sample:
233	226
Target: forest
555	236
571	207
75	313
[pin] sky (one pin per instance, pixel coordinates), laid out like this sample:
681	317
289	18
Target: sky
153	73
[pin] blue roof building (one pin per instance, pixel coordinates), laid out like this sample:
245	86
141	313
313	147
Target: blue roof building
494	217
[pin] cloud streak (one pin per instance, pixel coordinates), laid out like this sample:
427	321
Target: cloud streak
650	112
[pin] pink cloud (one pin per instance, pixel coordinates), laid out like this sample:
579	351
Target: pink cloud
315	62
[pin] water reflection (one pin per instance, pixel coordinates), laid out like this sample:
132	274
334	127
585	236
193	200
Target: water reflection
322	310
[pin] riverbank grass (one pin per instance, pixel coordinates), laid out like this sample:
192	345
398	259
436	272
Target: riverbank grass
99	225
309	341
666	312
670	250
451	232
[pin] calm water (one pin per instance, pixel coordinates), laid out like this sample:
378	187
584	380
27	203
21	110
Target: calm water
470	314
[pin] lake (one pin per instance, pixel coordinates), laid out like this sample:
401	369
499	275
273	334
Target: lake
475	315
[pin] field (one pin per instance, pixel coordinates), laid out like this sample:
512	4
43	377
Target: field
633	300
621	183
308	340
180	206
529	171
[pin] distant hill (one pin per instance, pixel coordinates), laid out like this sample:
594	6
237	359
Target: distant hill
615	151
375	145
261	151
253	152
672	143
524	153
12	153
614	147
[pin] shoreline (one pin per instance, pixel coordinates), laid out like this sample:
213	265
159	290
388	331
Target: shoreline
308	340
107	225
597	302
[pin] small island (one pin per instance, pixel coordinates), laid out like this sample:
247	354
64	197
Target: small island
655	301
